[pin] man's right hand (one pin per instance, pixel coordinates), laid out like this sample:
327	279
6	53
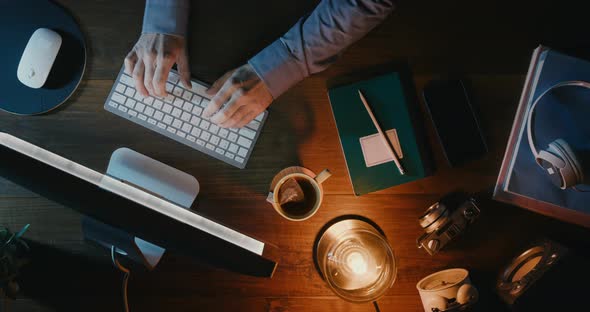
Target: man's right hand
151	59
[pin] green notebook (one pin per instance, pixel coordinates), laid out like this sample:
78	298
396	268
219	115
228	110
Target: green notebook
385	95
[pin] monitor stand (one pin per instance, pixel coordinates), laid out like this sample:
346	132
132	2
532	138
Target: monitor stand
151	176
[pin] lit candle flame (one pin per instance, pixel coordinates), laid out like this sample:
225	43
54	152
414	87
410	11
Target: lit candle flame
357	263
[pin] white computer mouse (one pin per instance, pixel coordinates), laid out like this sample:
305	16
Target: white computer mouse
38	57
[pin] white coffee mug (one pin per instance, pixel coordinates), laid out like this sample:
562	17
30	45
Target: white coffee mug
447	289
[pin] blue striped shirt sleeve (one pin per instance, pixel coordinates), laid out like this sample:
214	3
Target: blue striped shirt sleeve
317	40
166	17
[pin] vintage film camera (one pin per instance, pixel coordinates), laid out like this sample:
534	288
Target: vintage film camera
445	220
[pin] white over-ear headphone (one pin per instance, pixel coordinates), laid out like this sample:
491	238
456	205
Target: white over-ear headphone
559	159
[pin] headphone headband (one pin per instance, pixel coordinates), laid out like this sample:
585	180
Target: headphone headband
571	83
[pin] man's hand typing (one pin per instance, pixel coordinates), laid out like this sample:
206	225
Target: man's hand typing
151	59
239	96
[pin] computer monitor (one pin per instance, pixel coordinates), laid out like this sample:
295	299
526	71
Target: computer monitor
129	208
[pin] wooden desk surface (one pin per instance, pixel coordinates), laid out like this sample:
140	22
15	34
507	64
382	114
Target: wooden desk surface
489	42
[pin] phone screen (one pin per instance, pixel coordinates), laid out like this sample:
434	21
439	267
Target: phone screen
455	121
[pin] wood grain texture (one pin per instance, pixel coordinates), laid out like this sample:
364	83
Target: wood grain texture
488	42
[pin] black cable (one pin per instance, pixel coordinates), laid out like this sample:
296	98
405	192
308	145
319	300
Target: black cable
376	306
125	278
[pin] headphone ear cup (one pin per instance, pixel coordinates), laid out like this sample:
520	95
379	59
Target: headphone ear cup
467	294
553	165
573	159
437	302
573	166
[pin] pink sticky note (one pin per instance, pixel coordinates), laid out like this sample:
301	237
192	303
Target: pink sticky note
374	150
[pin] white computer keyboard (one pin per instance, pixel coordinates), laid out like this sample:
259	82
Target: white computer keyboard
178	116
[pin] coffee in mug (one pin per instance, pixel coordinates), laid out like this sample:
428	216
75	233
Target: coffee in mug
296	192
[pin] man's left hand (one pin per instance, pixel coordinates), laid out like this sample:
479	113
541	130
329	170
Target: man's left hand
240	96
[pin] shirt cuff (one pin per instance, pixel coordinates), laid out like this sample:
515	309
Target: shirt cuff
166	17
277	68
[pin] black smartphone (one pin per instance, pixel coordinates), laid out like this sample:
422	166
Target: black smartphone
455	122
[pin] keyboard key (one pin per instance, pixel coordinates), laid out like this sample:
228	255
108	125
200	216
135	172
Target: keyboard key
167	108
239	159
195	121
152	121
199	89
169	87
149	111
181	134
210	146
159	115
119	98
200	142
187	106
142	117
214	128
247	133
130	103
139	97
204	103
176	112
186	127
169	98
173	77
191	138
123	108
196	132
130	92
224	144
177	123
244	142
205	136
204	124
243	152
120	88
178	102
185	116
219	151
223	133
168	119
177	91
254	125
234	130
233	148
161	125
158	104
259	117
197	110
229	155
232	137
132	113
113	104
149	100
187	95
127	80
214	139
196	99
139	107
171	130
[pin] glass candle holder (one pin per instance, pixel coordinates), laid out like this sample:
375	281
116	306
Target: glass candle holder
356	261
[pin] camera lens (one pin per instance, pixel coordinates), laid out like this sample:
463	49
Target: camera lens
434	216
